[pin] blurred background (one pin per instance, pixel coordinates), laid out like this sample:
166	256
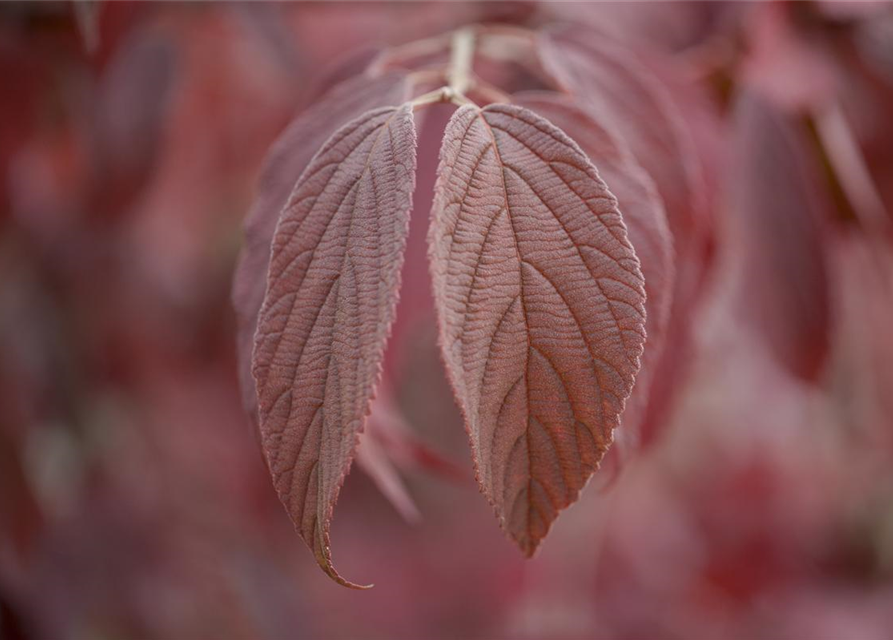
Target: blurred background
134	500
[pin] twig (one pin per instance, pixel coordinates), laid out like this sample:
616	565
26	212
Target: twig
444	94
458	74
461	56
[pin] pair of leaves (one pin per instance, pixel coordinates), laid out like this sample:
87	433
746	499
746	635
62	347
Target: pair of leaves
539	293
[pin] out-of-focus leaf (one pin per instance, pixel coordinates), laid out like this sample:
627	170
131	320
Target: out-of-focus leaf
619	92
541	306
656	26
266	22
134	97
845	10
775	238
330	300
861	375
388	444
374	458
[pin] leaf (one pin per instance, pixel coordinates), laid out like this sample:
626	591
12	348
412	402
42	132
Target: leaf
646	223
331	296
860	373
541	307
134	98
286	161
774	230
389	443
288	158
376	460
615	89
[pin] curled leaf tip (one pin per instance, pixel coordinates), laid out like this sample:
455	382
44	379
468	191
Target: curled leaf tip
337	577
333	278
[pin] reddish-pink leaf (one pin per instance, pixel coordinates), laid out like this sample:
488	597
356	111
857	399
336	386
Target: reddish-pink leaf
331	295
389	443
618	91
134	99
646	223
374	457
775	238
286	161
541	306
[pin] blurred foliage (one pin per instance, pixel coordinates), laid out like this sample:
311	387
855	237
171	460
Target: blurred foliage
134	501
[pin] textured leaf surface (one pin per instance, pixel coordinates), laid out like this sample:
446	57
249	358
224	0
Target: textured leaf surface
646	223
775	238
330	300
541	306
287	159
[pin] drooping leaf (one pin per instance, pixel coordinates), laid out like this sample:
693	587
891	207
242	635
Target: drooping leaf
286	161
541	307
646	223
331	295
288	158
775	238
